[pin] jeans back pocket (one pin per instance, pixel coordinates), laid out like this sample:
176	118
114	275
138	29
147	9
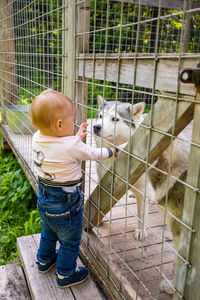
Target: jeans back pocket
59	222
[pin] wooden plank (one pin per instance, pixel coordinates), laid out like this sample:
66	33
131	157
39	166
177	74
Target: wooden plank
40	285
187	29
170	4
69	49
164	112
118	225
162	296
110	267
2	50
13	283
154	24
146	270
64	48
130	223
81	99
154	237
83	18
123	211
98	256
150	278
8	87
167	73
8	56
151	257
187	277
43	286
88	290
5	147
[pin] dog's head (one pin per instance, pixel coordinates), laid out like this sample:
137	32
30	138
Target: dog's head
117	120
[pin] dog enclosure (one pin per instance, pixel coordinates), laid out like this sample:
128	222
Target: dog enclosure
130	51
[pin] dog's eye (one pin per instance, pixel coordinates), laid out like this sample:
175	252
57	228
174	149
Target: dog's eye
115	119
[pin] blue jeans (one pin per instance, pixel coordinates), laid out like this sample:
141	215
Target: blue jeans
61	220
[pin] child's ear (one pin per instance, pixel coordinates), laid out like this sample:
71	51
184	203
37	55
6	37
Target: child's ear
59	124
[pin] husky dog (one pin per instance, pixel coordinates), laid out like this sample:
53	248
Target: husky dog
115	123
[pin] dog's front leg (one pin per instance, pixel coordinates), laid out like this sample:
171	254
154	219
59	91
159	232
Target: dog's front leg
142	208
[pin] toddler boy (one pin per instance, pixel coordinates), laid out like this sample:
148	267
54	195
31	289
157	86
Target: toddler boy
58	155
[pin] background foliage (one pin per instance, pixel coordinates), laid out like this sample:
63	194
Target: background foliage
41	23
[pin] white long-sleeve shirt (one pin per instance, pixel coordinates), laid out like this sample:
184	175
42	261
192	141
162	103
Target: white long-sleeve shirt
58	159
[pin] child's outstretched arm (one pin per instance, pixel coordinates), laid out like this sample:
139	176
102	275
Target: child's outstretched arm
81	132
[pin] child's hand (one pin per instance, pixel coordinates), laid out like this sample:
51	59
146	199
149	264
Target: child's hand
81	132
115	151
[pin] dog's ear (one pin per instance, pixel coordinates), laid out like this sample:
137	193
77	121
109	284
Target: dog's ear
100	101
137	110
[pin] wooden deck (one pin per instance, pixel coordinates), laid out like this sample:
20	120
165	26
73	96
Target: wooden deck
12	283
126	268
43	286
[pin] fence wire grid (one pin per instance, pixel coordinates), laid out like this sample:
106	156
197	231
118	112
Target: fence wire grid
126	61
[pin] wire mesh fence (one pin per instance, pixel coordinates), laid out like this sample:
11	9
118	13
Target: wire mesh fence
126	57
113	19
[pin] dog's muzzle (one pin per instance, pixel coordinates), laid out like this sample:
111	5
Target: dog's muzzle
97	129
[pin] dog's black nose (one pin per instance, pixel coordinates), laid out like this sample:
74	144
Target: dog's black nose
97	128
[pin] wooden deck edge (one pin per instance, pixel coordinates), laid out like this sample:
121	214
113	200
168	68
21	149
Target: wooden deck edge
13	282
103	272
43	286
100	281
24	269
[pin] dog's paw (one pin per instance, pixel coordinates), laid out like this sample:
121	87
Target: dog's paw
166	288
139	234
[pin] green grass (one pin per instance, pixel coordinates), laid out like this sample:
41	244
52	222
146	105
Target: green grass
19	214
147	108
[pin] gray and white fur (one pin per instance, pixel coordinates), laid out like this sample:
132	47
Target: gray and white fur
115	124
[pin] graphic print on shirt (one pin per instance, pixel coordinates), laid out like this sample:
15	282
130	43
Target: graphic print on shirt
38	162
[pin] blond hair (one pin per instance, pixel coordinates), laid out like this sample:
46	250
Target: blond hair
48	107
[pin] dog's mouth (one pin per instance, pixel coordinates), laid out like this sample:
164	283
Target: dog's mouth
97	133
107	138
